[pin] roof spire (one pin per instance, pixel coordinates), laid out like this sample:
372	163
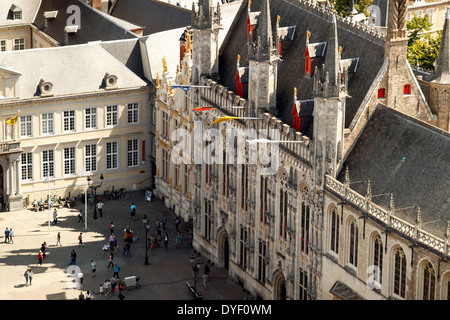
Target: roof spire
265	42
443	60
332	65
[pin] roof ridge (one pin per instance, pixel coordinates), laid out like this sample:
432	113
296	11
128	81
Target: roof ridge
327	13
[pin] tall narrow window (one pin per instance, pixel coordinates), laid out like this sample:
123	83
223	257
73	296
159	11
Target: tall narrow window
353	257
25	126
69	120
133	113
165	165
429	279
90	157
27	165
90	118
112	115
303	285
263	197
399	273
244	186
132	153
165	125
47	123
283	207
186	180
334	231
48	163
69	160
378	258
112	155
2	45
243	247
207	219
262	262
19	44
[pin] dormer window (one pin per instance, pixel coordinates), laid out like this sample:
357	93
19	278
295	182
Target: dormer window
46	88
16	12
110	81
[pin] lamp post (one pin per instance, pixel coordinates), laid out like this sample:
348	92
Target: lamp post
94	189
147	227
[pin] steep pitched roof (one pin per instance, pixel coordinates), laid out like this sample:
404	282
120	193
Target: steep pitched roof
69	68
155	16
94	26
399	155
356	43
28	8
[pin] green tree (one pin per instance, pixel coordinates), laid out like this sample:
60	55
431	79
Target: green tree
342	6
423	47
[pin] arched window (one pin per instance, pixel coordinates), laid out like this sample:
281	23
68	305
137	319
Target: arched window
334	231
429	281
400	272
377	258
353	252
446	287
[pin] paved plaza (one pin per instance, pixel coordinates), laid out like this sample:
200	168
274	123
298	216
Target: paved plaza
163	279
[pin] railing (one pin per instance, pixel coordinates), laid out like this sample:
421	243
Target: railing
386	216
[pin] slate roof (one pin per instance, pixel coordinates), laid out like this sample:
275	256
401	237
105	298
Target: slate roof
94	26
406	157
291	70
69	68
154	16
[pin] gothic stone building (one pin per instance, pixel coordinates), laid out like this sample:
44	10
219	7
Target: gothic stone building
357	206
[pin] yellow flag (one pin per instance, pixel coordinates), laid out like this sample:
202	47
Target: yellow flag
13	120
224	119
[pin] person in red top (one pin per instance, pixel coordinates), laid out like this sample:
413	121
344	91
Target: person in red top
40	257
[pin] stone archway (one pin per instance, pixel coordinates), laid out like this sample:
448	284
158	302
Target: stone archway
223	250
279	286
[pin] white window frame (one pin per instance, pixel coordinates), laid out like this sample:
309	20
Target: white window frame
3	45
17	15
92	118
26	124
133	109
19	44
114	154
26	166
69	118
69	161
134	153
90	158
49	122
112	115
50	163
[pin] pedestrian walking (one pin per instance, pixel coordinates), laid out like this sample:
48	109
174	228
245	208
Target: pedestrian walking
80	240
152	242
191	235
93	268
127	250
105	249
133	211
116	271
30	275
81	296
11	236
205	275
177	223
121	296
43	249
58	239
55	217
7	235
88	295
166	240
164	221
111	257
178	239
80	216
111	227
26	277
101	289
157	223
111	241
100	207
113	282
40	257
73	258
81	276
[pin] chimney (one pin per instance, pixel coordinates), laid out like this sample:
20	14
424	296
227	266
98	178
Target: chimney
101	5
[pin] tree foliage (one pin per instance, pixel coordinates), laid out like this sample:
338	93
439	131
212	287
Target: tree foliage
423	47
342	6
